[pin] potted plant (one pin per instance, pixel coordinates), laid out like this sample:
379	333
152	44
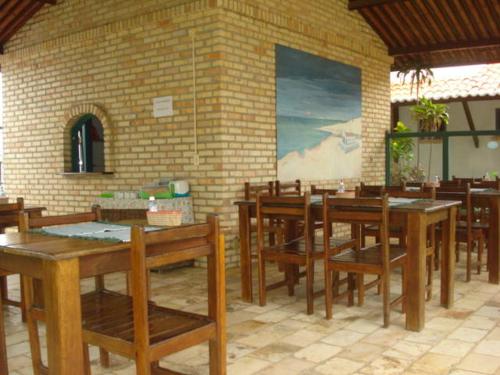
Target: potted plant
402	155
431	117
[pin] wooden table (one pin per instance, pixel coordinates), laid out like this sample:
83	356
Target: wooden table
417	216
61	263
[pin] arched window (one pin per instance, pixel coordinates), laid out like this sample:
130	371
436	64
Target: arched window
87	145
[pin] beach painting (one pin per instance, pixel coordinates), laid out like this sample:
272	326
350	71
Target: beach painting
318	117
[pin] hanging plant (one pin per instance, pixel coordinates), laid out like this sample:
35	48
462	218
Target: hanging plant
418	73
430	116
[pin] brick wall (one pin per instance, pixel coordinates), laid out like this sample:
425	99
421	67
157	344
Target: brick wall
117	55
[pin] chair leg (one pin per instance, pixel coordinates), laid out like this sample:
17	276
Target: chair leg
470	246
36	355
3	346
480	249
436	254
360	284
22	303
386	295
290	279
86	360
4	290
430	276
262	279
310	286
351	284
142	364
328	292
404	289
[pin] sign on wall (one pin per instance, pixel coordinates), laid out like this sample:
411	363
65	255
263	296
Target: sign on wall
318	117
163	106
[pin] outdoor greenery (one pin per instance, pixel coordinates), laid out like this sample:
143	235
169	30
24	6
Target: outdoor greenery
430	116
419	74
402	155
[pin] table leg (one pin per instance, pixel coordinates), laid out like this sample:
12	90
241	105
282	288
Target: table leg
245	253
494	242
61	286
416	253
448	260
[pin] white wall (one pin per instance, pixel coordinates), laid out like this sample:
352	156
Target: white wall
465	159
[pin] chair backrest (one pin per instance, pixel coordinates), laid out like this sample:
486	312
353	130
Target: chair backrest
367	191
9	214
459	193
252	190
26	223
486	184
357	212
419	185
426	194
287	188
320	191
464	180
284	209
162	247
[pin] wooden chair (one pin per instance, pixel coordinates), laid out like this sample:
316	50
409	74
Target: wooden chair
296	251
35	289
141	330
468	230
379	259
374	191
9	217
287	188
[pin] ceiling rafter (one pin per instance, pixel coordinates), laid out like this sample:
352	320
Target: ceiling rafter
435	32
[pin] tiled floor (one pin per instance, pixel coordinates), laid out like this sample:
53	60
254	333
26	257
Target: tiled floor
281	339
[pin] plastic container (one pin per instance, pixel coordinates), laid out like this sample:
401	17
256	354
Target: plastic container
152	204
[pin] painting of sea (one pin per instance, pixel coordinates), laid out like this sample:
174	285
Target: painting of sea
318	117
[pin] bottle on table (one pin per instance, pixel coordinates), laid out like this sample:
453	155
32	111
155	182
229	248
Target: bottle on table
341	188
152	204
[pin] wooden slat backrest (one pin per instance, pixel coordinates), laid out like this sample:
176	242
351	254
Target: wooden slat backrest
376	190
419	185
287	188
251	191
45	221
284	208
360	211
320	191
462	194
428	194
486	185
9	213
170	239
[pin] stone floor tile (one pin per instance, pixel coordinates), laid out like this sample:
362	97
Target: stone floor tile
455	348
339	366
434	363
484	364
317	352
468	334
488	347
343	338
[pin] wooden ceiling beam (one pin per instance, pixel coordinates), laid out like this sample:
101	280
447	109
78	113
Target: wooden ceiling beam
17	23
462	45
359	4
51	2
470	121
